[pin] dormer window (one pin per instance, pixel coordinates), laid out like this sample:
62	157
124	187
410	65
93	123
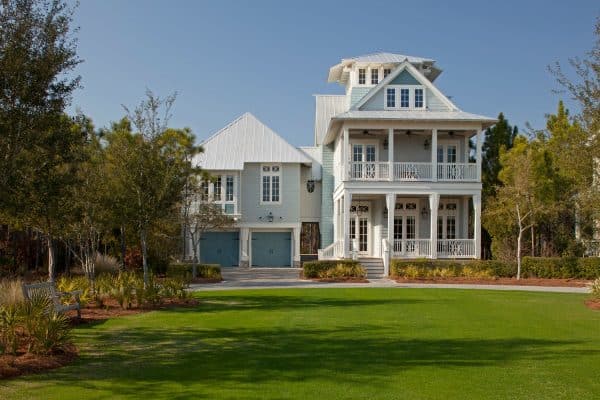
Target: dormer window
419	98
386	72
374	76
390	98
404	98
362	76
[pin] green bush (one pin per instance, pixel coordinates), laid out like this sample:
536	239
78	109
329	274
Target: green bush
184	271
333	269
65	284
561	267
427	268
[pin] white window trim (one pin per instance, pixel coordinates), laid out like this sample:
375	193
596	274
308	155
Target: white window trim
223	201
271	174
411	97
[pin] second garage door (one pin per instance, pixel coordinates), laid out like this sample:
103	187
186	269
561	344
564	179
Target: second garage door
271	249
220	248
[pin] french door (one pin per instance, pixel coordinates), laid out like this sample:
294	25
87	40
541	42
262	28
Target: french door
359	227
406	229
364	157
447	157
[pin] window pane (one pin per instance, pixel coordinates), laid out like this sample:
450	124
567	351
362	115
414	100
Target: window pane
386	72
204	191
357	153
217	189
391	97
275	168
451	154
451	227
374	76
229	188
266	188
370	156
266	168
440	154
398	228
229	209
418	98
404	98
410	227
440	228
362	74
275	189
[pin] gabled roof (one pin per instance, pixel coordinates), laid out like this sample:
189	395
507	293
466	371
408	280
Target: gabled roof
326	107
245	140
405	65
338	73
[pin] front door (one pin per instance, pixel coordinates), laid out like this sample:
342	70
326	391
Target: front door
363	161
360	225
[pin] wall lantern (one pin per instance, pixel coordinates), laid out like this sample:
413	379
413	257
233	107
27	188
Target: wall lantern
385	144
424	212
426	144
269	217
310	185
451	133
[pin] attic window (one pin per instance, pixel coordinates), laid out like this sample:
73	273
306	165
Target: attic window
362	76
374	76
386	72
418	98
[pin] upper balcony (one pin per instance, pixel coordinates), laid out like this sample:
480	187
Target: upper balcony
397	155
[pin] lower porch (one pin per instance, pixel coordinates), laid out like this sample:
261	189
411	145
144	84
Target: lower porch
405	226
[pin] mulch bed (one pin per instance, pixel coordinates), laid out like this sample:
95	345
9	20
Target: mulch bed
503	281
206	280
26	363
594	304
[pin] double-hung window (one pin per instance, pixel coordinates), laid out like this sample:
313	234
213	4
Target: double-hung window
362	76
229	188
390	98
419	98
271	184
374	76
217	189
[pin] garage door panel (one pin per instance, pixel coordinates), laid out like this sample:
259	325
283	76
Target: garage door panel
220	248
271	249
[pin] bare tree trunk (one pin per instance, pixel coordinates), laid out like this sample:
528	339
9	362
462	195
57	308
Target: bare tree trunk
532	241
144	255
519	243
51	271
123	247
195	257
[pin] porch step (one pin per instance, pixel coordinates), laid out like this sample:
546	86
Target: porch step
374	267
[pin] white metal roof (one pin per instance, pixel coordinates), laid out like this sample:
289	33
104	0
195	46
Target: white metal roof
245	140
326	107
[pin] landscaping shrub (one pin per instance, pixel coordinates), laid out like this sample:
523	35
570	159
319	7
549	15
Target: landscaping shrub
333	269
105	263
184	271
70	284
427	269
561	267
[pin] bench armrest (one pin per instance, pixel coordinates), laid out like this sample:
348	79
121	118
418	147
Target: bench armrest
75	294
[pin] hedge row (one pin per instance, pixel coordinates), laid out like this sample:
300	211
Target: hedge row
426	268
531	267
561	267
185	271
333	269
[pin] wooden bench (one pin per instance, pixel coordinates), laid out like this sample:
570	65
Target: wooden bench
49	290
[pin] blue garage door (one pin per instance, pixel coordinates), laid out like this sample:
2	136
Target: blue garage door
221	248
271	249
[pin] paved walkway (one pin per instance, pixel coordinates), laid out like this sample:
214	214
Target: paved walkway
277	278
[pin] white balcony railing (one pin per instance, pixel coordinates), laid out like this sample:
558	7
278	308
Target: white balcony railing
456	248
457	172
412	248
412	171
369	171
333	251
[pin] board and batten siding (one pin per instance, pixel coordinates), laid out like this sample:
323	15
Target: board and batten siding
289	208
357	93
327	197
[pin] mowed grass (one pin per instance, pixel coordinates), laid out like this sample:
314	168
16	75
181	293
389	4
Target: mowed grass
338	344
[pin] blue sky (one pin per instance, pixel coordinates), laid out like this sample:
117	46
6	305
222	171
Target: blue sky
269	57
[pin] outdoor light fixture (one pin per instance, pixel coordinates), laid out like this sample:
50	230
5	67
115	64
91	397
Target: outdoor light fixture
408	133
426	144
270	217
451	133
424	212
310	185
385	144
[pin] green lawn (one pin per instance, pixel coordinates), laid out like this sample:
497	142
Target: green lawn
338	344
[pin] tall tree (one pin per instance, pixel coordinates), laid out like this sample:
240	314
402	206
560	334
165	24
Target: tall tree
499	137
150	166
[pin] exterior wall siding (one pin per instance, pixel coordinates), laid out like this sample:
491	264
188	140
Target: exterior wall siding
310	203
405	78
327	198
357	93
289	209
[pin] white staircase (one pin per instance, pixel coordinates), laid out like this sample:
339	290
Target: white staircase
374	267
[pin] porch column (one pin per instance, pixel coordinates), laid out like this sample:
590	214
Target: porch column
346	230
296	235
477	224
434	146
391	154
390	201
336	220
245	259
434	201
478	144
345	155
